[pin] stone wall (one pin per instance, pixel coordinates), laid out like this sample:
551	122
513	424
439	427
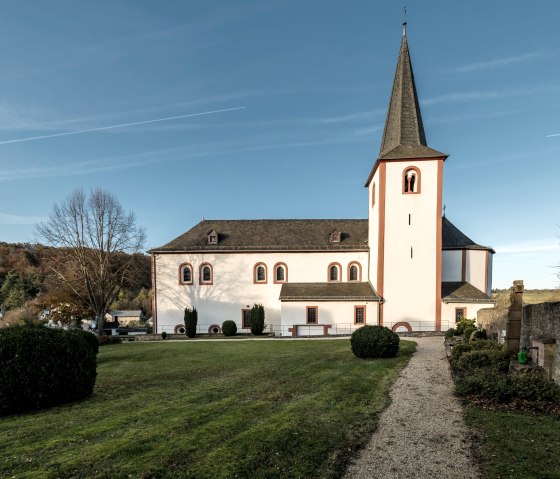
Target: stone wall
493	320
540	321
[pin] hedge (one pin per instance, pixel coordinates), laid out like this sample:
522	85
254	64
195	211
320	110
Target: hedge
43	367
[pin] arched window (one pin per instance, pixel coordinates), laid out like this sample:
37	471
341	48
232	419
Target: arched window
206	274
185	274
354	271
334	272
280	273
259	273
411	180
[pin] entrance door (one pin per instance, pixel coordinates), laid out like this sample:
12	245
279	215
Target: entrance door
246	318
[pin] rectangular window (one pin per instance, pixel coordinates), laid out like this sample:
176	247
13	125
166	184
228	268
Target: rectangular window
460	313
246	318
373	195
409	219
359	315
312	314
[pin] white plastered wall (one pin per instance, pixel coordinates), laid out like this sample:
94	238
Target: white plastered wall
476	269
410	283
338	314
448	312
233	288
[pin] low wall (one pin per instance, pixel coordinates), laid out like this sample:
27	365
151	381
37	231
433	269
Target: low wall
493	320
540	321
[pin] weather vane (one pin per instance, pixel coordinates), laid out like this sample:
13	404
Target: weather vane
404	8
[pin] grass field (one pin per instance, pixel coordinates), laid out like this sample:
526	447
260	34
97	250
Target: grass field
274	409
516	445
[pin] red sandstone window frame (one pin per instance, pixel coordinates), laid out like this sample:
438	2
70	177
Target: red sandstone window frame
307	309
464	310
280	265
359	267
338	276
356	307
255	274
201	280
418	182
182	266
243	326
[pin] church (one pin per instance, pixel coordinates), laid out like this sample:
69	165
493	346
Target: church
406	266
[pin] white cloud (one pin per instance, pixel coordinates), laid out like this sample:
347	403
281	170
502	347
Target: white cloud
499	62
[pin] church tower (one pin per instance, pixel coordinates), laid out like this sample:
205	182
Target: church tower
405	222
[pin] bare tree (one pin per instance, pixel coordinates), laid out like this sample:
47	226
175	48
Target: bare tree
99	240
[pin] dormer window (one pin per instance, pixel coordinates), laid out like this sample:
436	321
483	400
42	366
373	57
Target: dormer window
212	237
411	180
334	236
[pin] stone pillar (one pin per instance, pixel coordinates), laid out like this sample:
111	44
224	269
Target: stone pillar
513	327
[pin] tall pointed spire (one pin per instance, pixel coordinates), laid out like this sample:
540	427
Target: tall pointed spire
404	135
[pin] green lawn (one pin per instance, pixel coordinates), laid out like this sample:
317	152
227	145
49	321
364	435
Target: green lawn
516	445
208	410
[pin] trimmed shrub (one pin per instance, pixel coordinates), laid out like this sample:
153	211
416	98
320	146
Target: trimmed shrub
257	319
88	337
464	324
163	335
107	340
229	328
487	383
450	333
374	342
478	335
533	386
495	359
462	348
43	367
191	320
467	333
501	387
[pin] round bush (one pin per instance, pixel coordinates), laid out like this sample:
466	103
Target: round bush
88	337
374	342
229	328
467	333
164	335
43	367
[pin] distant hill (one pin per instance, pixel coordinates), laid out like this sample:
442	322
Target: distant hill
530	296
26	279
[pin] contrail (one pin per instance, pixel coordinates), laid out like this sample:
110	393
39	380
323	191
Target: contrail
111	127
550	136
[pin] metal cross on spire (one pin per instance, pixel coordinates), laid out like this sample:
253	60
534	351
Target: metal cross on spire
444	210
404	22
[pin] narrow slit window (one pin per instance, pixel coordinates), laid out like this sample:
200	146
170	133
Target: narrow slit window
409	219
411	252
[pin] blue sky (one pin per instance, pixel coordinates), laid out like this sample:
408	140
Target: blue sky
314	79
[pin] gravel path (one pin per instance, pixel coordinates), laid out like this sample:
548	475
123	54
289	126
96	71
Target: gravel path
422	433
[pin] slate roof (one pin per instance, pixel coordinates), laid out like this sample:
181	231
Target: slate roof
272	235
328	292
404	126
453	238
462	292
293	235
